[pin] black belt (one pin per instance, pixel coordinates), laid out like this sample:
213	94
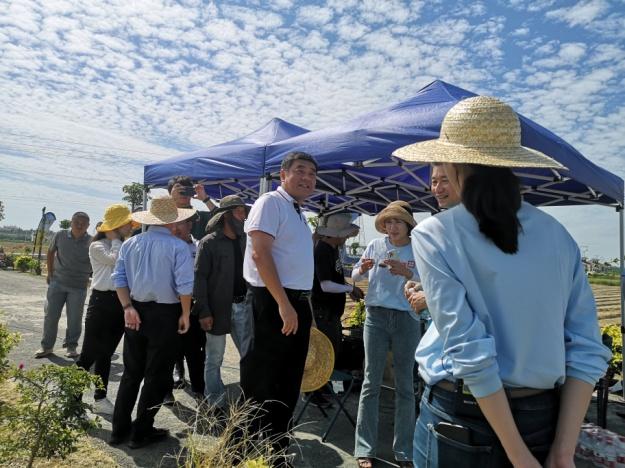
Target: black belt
298	294
238	299
513	393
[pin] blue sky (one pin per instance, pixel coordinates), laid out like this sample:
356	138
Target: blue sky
92	91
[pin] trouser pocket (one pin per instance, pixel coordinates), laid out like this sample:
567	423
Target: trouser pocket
445	452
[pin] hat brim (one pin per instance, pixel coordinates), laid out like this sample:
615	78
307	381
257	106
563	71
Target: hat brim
433	151
147	217
319	362
394	212
217	213
349	231
106	227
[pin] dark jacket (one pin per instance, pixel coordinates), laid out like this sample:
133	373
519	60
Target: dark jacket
213	285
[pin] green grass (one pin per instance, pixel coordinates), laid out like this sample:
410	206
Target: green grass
604	281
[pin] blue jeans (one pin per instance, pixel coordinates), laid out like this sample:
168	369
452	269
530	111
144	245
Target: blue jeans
242	334
74	301
395	330
535	417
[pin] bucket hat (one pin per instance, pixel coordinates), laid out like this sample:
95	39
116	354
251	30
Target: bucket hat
319	362
116	216
395	210
337	225
479	130
226	204
163	210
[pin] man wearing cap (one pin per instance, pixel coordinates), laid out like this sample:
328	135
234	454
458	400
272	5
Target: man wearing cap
219	291
154	281
329	286
68	277
279	268
177	186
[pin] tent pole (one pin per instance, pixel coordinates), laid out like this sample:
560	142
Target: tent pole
145	205
621	254
264	186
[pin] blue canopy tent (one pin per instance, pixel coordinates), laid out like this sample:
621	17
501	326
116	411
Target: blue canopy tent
235	167
357	171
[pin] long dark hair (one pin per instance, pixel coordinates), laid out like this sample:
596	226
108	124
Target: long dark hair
492	195
97	236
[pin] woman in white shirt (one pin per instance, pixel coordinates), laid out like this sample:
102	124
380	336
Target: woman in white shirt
104	322
388	262
515	350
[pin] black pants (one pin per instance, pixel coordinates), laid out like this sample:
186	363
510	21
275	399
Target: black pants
330	325
192	345
149	356
271	373
104	328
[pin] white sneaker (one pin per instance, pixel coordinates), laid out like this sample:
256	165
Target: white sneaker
103	406
71	352
43	352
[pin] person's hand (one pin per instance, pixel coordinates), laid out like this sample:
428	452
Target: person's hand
356	294
395	267
112	235
408	286
365	265
131	317
206	324
48	278
289	319
200	193
417	301
183	324
559	461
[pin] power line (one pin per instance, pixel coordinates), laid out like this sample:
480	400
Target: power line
83	144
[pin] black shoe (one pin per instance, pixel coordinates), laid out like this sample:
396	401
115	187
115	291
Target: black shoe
154	436
119	439
169	400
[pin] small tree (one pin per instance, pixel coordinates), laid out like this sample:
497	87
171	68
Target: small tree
314	221
65	224
1	211
354	247
134	195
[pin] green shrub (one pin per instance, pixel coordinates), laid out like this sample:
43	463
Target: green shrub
357	317
48	418
22	263
6	260
616	363
8	341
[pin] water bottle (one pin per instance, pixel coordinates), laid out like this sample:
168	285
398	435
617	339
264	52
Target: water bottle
585	443
609	454
599	451
619	446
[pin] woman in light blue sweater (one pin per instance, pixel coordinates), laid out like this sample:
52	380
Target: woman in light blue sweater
515	350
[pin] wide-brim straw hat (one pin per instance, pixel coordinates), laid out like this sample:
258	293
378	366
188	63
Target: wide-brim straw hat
226	204
319	362
116	216
337	225
163	210
479	130
395	210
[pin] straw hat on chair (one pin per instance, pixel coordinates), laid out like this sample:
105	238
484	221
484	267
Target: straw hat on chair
319	362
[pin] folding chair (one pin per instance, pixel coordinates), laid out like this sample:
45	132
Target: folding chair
340	401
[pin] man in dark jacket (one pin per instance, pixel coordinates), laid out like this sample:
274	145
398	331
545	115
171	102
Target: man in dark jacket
219	291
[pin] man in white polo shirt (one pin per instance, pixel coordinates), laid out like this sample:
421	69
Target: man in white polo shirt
279	268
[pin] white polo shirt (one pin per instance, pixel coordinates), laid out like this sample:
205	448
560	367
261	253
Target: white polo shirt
274	213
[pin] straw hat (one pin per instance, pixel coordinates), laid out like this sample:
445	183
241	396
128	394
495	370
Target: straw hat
395	210
115	217
163	210
227	203
319	362
337	225
479	130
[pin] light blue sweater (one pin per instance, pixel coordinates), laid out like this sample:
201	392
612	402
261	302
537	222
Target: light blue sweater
522	320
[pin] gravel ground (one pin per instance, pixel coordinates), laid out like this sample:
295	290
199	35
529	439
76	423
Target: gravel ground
22	298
